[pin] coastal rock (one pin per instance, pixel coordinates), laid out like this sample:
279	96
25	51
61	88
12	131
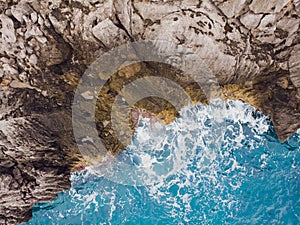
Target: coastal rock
251	20
252	47
8	31
294	65
232	8
108	33
268	6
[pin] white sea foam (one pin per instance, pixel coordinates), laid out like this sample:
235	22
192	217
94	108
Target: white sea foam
188	158
185	154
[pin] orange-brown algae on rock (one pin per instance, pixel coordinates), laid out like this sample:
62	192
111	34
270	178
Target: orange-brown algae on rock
244	92
130	71
253	92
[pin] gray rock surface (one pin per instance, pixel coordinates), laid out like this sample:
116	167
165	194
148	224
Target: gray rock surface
47	45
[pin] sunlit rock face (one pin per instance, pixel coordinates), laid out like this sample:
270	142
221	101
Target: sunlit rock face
252	48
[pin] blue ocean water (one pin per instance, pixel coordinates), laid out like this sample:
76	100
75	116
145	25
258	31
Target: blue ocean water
190	172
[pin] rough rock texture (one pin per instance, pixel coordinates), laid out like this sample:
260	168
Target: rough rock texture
251	46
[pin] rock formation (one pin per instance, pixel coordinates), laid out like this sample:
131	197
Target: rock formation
252	46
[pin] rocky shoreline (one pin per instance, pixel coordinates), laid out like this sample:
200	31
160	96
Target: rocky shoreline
252	47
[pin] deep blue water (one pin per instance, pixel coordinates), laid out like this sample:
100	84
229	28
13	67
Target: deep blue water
188	173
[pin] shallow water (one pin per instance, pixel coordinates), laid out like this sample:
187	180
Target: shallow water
194	171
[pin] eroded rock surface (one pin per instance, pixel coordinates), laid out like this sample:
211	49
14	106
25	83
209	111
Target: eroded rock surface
252	48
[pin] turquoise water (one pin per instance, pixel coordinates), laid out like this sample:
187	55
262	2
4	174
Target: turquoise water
188	173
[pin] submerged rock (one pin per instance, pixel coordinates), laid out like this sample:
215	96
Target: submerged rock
252	49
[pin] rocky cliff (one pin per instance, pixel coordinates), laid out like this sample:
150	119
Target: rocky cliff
251	46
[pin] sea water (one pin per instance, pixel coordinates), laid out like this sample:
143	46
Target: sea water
192	171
